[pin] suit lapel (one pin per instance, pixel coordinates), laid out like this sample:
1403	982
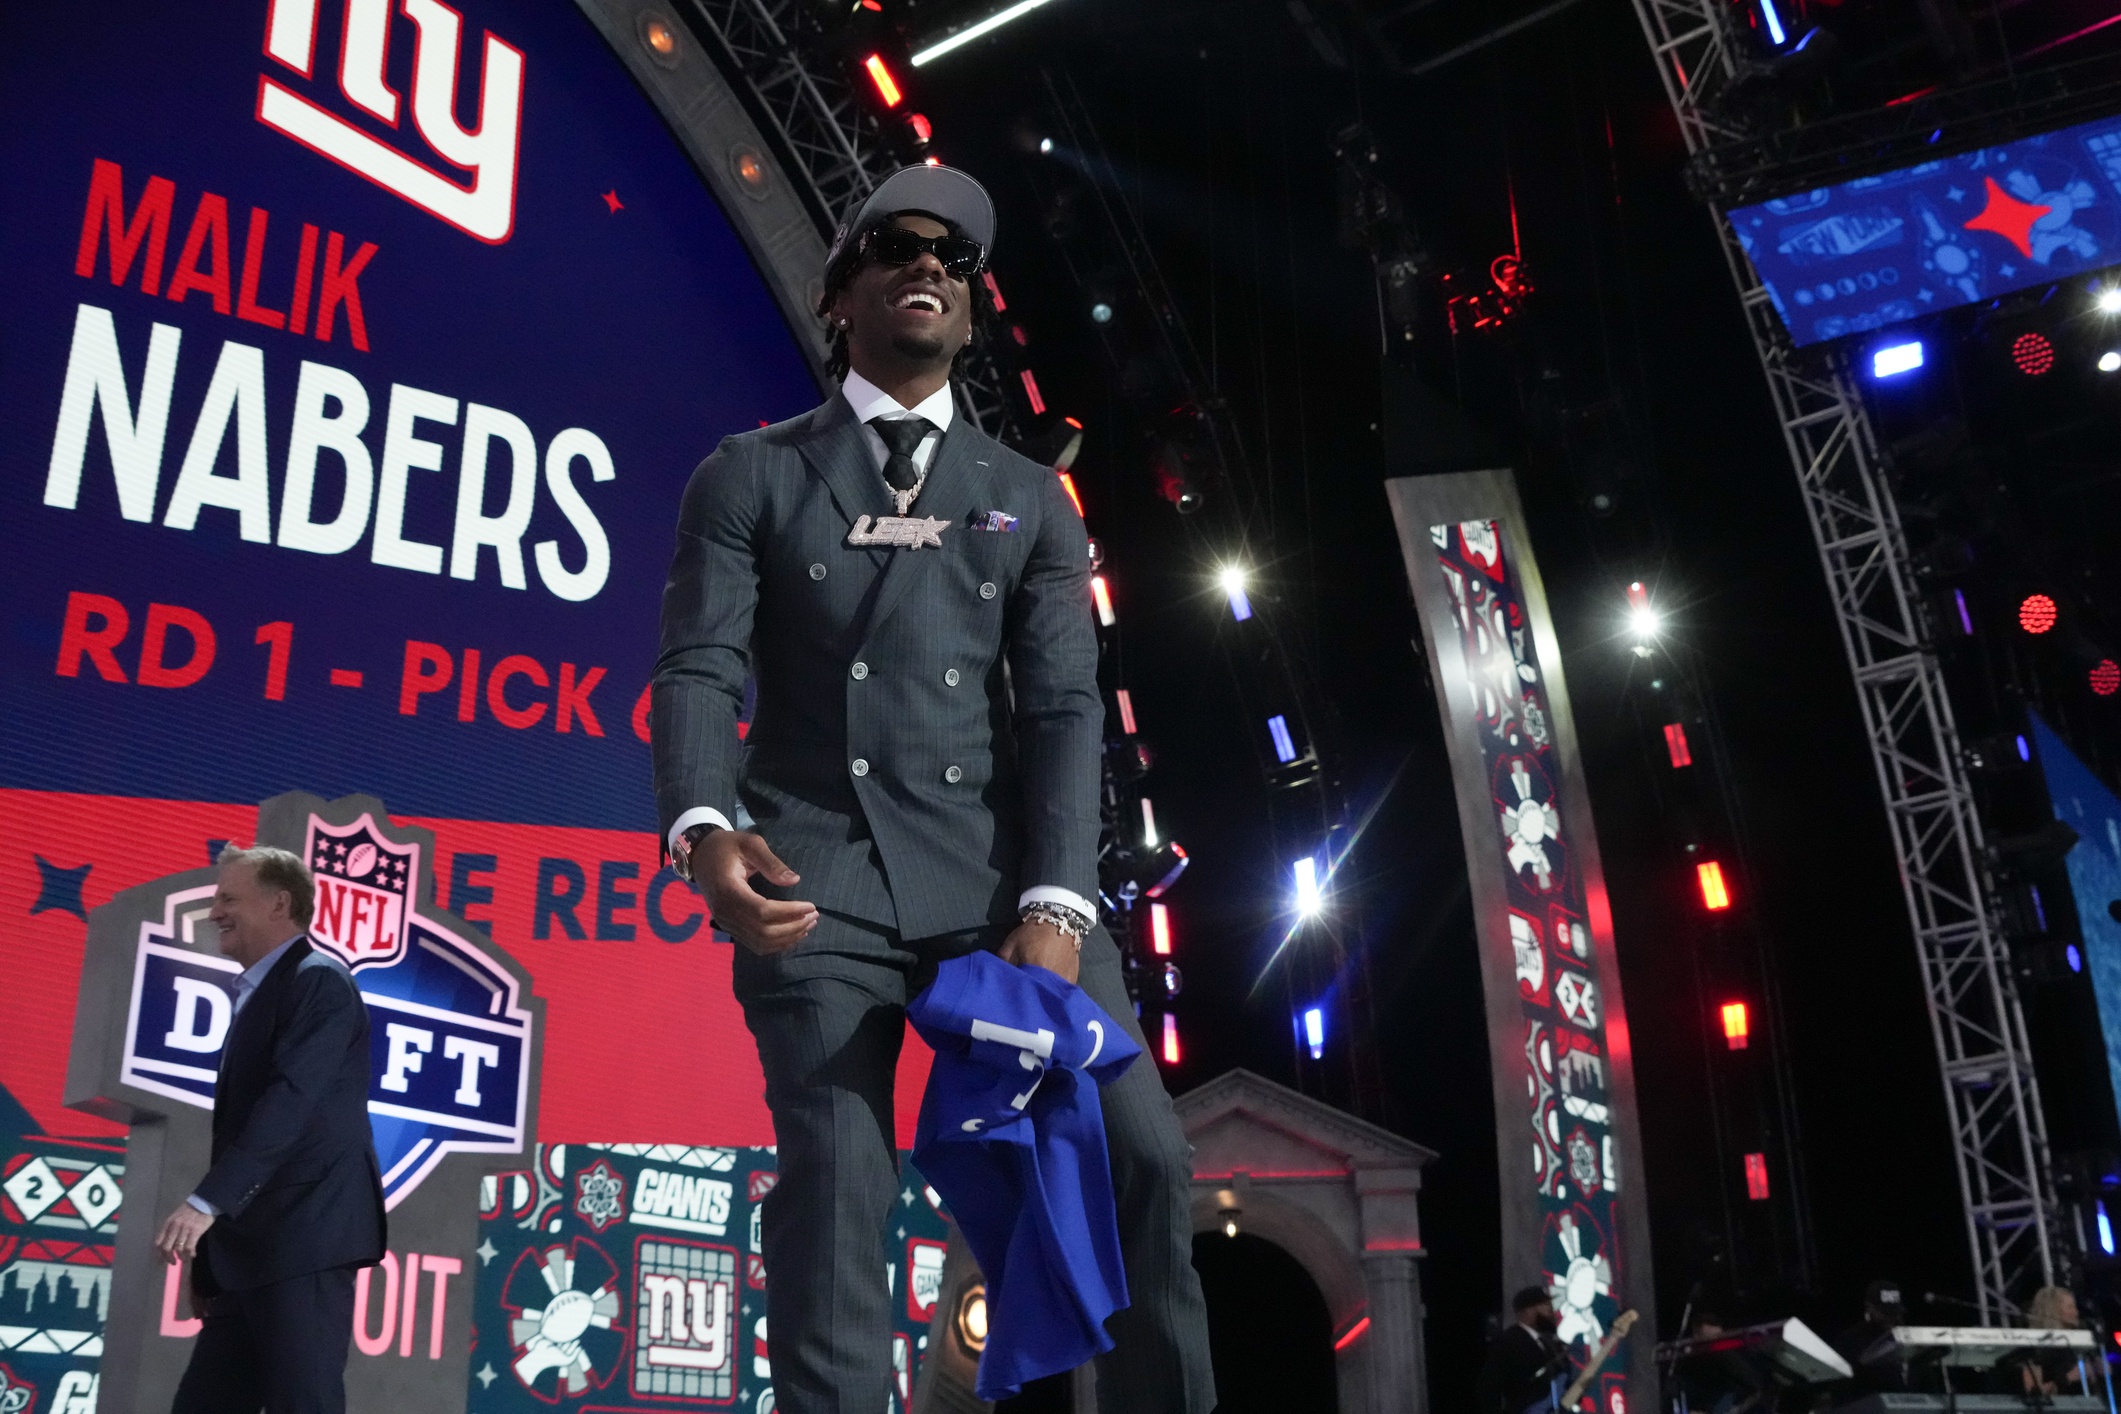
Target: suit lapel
949	478
252	1009
836	450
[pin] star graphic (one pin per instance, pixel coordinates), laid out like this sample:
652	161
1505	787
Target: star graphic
60	888
611	199
2008	217
486	1375
487	1251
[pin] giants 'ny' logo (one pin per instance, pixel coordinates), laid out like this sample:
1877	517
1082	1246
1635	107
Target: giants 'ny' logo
486	207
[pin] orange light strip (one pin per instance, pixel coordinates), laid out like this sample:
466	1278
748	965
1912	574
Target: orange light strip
1160	929
1737	1025
886	86
1715	896
1103	596
1068	485
1170	1039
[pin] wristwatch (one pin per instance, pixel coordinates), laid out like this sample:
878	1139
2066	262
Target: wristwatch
681	857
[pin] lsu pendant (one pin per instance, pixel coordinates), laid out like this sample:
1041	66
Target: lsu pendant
906	532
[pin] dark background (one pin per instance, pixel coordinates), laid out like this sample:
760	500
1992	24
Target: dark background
1218	121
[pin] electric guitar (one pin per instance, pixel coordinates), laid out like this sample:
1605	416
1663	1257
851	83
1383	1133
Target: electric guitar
1567	1402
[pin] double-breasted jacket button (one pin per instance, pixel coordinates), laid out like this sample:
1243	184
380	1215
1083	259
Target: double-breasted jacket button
817	571
860	767
950	677
859	671
954	775
987	591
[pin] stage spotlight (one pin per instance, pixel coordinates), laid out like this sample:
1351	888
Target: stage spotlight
1160	929
1896	359
1231	579
1148	823
1675	745
2037	614
887	88
2109	300
2033	353
1284	744
2105	677
1756	1179
1643	620
1228	1208
1715	894
2106	1230
2110	361
1045	147
1737	1025
1774	23
1309	898
972	1318
1315	1031
1170	1039
1101	593
1126	710
2074	956
1100	313
1145	872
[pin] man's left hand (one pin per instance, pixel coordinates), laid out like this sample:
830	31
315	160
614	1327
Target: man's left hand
1037	944
180	1233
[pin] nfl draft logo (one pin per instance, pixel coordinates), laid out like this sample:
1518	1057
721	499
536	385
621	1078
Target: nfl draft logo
450	1035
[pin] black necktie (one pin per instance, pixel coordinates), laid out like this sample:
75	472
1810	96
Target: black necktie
902	435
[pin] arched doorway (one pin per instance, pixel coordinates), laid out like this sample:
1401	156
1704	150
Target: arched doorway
1268	1327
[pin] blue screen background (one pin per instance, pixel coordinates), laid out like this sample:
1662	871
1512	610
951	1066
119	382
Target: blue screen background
2083	802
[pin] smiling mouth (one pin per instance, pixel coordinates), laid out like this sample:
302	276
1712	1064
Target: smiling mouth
926	301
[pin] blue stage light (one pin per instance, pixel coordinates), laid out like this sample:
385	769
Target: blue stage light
2106	1230
1232	579
1774	22
1309	899
1284	744
1315	1031
2025	748
1895	359
2074	956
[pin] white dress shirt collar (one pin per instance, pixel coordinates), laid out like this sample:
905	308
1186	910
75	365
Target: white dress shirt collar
870	401
253	976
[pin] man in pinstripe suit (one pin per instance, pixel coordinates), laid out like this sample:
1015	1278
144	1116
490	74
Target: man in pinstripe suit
921	776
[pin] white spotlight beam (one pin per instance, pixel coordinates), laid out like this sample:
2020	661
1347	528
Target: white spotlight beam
963	37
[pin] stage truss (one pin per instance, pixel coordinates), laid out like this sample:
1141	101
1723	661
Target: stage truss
827	144
1999	1134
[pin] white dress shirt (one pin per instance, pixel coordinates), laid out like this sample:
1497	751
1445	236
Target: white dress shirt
870	403
245	986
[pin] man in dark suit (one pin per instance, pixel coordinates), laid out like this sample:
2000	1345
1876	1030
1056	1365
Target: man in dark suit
293	1202
1526	1366
921	780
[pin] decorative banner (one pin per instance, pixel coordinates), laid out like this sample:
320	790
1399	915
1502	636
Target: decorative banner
59	1203
1574	1216
2087	805
623	1277
454	1036
1881	250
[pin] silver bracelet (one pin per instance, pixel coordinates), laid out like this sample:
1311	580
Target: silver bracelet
1059	916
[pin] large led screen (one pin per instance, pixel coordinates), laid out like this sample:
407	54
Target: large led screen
2084	803
353	360
1881	250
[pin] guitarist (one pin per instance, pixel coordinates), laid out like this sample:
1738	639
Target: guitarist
1526	1365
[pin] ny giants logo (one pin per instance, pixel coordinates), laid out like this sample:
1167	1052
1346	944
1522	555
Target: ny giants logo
485	206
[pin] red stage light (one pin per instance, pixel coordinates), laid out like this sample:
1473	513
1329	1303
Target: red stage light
923	130
1354	1333
1126	710
888	90
1102	593
995	290
2037	614
1675	743
1756	1184
2033	353
1737	1025
1068	485
1031	393
1160	929
1170	1039
2106	678
1715	895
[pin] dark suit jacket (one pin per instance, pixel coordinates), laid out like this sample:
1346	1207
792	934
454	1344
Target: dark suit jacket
964	677
1518	1371
294	1170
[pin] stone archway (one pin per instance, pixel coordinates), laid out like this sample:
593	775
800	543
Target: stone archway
1340	1196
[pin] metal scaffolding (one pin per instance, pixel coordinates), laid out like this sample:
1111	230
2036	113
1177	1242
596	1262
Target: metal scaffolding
1999	1134
770	51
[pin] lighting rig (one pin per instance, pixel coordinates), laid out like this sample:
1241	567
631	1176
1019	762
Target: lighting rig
1196	457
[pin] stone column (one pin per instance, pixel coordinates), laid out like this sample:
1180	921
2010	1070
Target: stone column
1398	1347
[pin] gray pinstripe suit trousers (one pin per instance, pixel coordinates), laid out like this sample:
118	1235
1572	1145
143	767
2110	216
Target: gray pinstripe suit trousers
829	1018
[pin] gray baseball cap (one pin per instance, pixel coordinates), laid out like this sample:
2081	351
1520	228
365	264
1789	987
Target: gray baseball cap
942	192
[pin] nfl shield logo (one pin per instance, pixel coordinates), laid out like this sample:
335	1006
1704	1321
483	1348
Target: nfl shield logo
364	891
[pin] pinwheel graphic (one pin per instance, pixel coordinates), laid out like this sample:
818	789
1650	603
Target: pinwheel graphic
563	1302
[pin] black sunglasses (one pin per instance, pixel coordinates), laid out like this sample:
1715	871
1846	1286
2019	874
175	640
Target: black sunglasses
960	256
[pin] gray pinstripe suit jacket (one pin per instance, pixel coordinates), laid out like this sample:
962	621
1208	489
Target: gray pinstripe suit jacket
977	656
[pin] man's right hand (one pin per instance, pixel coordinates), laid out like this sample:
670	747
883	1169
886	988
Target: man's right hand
722	866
